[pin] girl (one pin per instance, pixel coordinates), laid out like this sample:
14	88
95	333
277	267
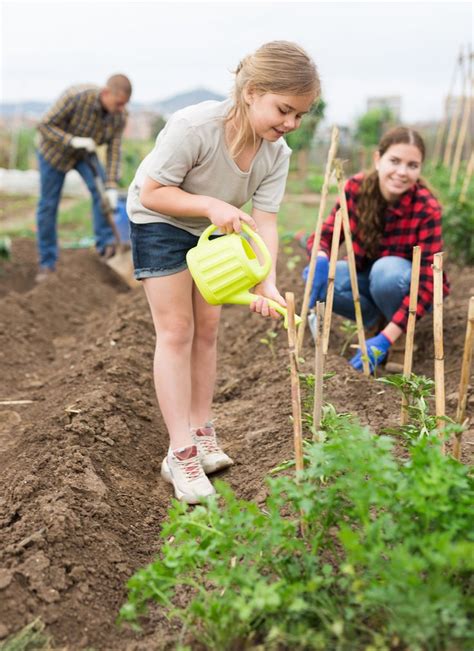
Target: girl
207	162
391	210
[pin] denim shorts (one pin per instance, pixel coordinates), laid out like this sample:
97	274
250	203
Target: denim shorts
159	249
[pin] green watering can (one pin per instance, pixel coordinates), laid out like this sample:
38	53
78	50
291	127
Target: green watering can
226	267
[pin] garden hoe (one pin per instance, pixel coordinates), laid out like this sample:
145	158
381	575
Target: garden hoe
121	262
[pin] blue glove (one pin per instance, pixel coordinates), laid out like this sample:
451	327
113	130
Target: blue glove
320	280
380	343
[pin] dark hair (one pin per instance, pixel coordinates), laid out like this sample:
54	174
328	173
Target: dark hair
372	204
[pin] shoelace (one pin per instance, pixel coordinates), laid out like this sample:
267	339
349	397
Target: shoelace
191	468
207	439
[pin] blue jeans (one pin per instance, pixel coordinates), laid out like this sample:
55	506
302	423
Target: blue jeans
381	289
52	181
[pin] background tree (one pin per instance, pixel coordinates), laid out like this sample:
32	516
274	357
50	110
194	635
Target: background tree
301	140
369	130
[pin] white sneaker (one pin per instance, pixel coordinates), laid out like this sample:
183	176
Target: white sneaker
187	476
213	458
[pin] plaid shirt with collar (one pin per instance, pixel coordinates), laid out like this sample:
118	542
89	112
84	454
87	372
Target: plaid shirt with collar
78	112
414	220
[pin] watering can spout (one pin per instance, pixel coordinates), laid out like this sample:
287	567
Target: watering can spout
247	298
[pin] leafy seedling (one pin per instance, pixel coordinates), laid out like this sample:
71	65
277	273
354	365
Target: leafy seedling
269	341
349	330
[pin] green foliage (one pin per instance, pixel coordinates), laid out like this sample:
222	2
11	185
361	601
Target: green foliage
384	561
269	341
458	216
372	125
5	247
458	230
302	137
417	391
133	152
349	330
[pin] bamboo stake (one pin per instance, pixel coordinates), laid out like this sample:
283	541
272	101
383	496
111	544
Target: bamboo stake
454	119
464	381
295	382
438	341
467	178
408	360
352	266
319	363
460	141
317	234
336	237
444	122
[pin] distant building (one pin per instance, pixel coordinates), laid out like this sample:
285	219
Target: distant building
391	102
140	124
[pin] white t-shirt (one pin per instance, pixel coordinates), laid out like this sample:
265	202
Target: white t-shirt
190	153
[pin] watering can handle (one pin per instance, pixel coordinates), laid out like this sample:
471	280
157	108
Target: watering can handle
267	261
283	311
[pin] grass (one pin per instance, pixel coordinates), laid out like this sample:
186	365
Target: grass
75	221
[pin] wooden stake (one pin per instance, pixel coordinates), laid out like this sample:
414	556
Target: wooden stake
438	340
352	266
455	118
319	364
336	238
408	360
460	142
467	178
317	234
465	372
444	122
295	382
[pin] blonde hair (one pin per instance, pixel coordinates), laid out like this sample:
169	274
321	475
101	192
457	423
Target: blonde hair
278	67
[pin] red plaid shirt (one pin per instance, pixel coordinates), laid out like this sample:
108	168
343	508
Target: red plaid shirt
414	220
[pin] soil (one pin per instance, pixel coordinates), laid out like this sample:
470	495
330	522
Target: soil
81	498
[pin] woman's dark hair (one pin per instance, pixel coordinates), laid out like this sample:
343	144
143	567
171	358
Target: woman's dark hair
372	204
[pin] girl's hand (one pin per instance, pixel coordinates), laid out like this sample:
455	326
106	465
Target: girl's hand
227	218
267	289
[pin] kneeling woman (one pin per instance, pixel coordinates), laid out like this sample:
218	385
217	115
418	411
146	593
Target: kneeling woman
391	210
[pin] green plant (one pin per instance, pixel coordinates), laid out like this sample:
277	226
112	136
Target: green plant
349	330
292	259
417	391
5	247
371	126
458	229
303	136
269	341
458	216
384	562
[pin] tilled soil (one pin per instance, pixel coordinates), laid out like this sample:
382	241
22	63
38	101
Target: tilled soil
81	498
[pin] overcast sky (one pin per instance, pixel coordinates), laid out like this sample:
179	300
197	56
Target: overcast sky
361	48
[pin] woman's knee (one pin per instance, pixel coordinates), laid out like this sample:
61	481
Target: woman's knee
390	273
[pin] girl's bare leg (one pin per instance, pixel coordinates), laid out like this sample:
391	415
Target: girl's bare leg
203	358
171	305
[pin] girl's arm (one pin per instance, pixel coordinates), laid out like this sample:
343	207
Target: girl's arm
267	229
173	201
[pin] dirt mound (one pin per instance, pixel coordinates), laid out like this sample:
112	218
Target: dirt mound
81	497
